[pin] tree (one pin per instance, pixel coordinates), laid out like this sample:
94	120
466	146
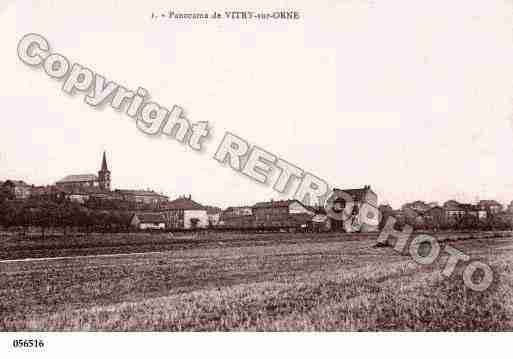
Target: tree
45	215
102	220
69	215
7	212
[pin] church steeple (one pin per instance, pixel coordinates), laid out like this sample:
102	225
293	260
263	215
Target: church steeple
104	174
104	163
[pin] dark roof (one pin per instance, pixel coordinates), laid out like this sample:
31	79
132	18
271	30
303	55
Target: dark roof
150	217
469	207
183	204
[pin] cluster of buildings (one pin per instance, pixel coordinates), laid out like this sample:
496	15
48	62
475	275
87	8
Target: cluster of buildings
152	210
83	187
291	214
433	215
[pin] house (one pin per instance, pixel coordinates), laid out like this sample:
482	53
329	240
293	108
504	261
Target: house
456	210
356	223
237	217
17	189
279	214
144	221
425	215
474	210
417	206
453	209
78	197
184	213
141	196
240	211
490	206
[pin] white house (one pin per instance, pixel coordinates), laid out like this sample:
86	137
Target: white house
184	213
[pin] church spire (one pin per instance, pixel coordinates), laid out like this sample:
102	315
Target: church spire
104	174
104	162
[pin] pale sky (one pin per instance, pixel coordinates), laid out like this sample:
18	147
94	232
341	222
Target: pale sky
414	98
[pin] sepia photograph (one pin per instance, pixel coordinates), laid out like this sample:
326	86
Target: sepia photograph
176	173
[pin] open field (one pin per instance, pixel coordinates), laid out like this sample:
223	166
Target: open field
249	282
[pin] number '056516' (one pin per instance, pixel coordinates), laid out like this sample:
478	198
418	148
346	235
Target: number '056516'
28	343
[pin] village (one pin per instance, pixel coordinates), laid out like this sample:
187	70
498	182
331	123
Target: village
87	200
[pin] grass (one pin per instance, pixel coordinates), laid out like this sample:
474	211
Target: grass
262	282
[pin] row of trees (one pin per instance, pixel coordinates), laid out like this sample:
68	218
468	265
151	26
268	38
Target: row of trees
66	215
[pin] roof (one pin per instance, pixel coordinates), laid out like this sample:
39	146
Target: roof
213	209
470	207
150	217
79	178
489	202
140	192
419	207
234	208
275	204
455	206
452	205
183	204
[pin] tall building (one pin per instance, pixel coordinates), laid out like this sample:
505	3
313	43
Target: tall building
104	175
87	182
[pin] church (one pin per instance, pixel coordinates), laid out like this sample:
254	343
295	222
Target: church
82	187
89	183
